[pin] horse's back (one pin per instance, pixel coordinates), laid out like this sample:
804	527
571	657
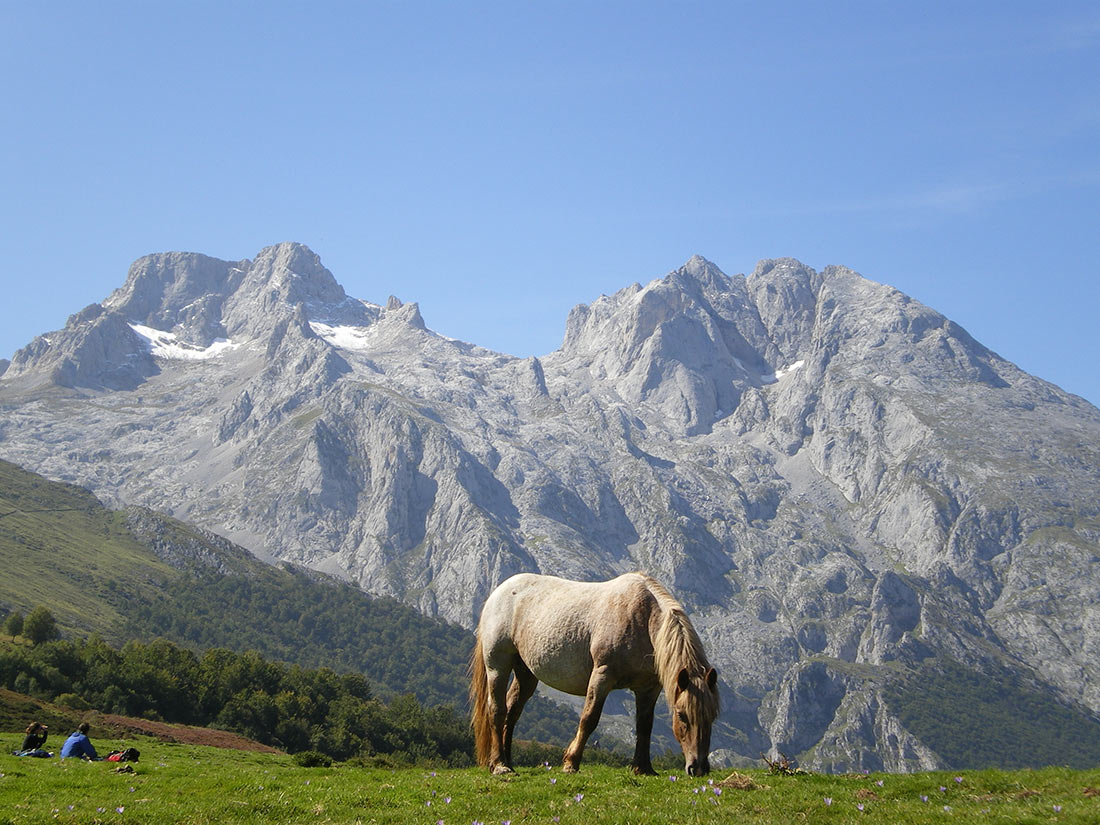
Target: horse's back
556	626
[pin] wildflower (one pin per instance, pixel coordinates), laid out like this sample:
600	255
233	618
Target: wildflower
947	808
717	791
923	798
554	780
943	789
859	806
447	800
958	779
579	797
879	783
1057	809
673	778
120	809
828	800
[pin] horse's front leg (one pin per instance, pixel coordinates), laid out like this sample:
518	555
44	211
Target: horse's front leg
599	685
645	700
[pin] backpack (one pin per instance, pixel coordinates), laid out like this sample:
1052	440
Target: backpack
128	755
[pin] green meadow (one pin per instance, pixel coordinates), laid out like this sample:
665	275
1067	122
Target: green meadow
175	783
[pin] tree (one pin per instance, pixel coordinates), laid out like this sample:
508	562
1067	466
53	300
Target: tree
13	625
40	626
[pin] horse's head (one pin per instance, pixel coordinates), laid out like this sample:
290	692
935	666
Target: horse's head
694	709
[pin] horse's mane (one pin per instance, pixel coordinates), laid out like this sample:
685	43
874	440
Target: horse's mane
676	645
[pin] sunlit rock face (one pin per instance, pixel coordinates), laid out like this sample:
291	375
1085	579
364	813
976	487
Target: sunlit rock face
837	481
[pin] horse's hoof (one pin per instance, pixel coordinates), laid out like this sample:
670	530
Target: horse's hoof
568	768
500	770
640	771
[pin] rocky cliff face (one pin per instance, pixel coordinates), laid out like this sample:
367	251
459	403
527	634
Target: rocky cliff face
838	481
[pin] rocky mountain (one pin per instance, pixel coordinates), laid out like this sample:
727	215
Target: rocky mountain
841	484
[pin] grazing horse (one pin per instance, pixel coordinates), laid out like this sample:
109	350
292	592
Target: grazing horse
587	639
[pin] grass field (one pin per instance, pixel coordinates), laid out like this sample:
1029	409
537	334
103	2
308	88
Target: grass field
176	783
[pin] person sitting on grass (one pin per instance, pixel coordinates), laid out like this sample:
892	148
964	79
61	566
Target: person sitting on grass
79	745
34	740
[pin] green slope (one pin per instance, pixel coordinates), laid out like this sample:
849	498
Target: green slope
60	547
137	574
976	720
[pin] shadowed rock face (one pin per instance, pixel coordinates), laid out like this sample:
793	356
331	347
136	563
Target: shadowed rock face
836	480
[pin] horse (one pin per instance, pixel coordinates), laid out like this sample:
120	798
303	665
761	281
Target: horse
587	639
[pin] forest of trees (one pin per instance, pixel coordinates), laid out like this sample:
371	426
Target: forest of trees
298	709
294	708
287	615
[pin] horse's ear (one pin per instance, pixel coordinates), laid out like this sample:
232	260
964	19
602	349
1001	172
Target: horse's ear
683	679
712	679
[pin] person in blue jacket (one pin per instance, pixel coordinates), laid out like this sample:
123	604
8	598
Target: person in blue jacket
78	744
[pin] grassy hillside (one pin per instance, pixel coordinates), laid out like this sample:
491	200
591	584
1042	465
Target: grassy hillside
61	548
136	574
175	783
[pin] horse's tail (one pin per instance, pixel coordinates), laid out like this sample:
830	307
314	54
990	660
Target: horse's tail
479	704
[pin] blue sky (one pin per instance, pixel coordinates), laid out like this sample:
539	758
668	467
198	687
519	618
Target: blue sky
502	162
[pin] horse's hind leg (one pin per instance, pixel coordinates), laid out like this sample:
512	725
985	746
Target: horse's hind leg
521	689
499	758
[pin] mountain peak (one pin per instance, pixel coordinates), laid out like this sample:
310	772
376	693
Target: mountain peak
296	274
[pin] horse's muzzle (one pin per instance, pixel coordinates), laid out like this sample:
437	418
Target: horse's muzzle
700	767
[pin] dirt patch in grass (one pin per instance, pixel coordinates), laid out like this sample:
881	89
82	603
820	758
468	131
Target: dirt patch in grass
185	734
17	709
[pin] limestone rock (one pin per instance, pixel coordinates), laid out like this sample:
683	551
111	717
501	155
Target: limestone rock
836	480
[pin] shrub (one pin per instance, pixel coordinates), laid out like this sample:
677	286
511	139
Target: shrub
313	759
71	700
13	625
40	626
